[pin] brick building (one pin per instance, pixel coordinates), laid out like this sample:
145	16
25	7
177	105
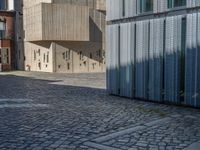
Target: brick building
7	53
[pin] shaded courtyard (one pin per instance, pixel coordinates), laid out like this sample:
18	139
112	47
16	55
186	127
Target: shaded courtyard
59	111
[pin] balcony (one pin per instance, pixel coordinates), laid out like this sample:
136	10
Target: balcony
56	22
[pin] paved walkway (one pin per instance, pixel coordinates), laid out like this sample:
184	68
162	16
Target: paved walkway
58	111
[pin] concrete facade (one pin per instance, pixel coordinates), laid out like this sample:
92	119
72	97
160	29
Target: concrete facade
153	50
19	35
64	36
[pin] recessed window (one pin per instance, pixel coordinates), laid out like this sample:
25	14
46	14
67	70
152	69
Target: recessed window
176	3
34	55
47	57
44	57
68	53
68	66
2	29
81	55
146	6
63	55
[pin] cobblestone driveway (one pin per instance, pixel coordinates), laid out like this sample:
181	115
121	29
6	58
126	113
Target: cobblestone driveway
56	111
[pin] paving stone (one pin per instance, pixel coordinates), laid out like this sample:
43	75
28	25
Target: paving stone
65	111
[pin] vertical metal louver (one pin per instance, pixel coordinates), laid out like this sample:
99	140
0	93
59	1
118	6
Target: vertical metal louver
141	63
192	68
113	59
130	8
156	59
172	59
125	60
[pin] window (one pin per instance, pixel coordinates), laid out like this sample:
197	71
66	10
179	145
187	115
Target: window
68	66
47	57
7	56
146	6
63	55
3	4
2	29
4	56
68	55
34	55
123	5
81	55
176	3
44	56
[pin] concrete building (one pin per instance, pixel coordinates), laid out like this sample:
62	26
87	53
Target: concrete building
153	50
64	35
7	52
19	35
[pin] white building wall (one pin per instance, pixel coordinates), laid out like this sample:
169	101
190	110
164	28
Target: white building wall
39	57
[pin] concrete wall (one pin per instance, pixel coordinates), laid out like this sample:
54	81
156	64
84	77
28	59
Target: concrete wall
56	22
31	3
94	4
84	57
37	56
19	35
64	57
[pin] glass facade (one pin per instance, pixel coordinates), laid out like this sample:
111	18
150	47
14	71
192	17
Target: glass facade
3	5
146	6
176	3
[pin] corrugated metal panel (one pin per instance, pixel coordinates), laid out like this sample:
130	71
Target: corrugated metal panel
193	3
130	8
147	62
126	57
162	5
190	59
198	63
133	57
192	81
114	9
172	59
156	59
113	59
142	43
124	61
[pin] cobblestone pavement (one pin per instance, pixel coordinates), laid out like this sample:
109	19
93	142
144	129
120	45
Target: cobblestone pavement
58	111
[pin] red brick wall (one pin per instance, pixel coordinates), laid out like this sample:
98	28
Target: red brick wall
9	18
